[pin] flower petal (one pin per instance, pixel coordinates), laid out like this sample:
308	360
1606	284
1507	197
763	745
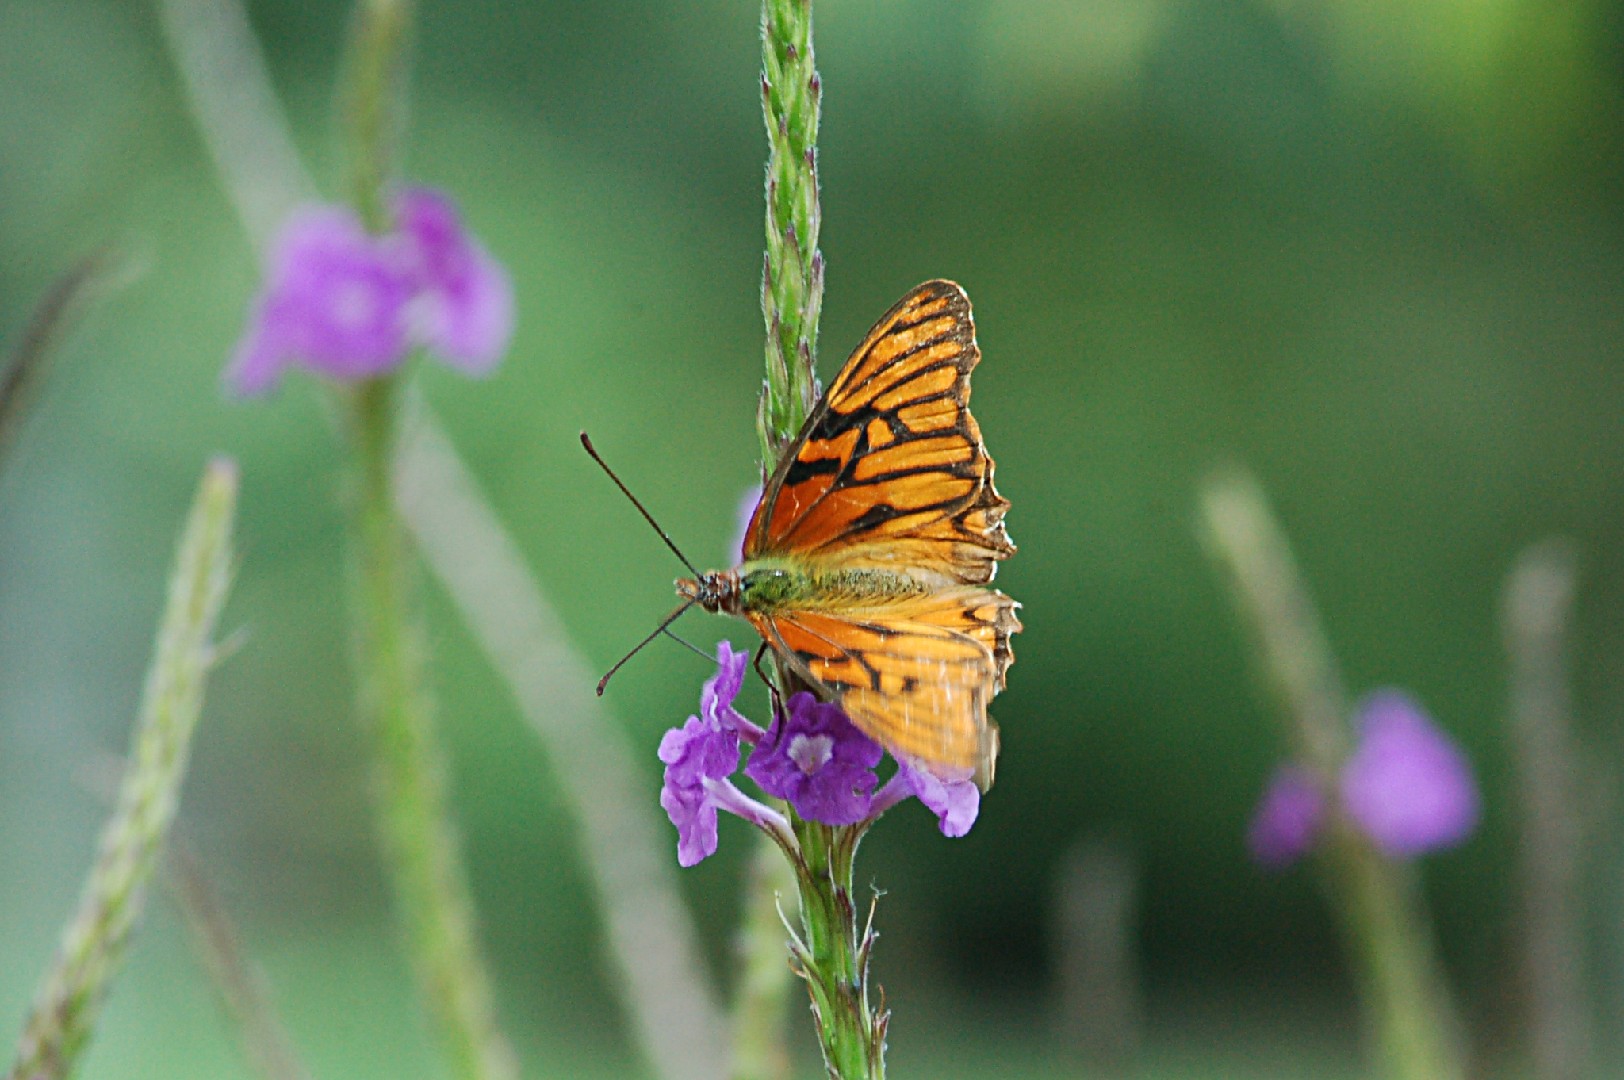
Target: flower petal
954	799
258	363
716	698
698	751
465	308
818	760
693	812
336	300
1288	818
1407	785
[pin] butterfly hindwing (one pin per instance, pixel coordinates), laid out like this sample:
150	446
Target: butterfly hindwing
890	469
915	675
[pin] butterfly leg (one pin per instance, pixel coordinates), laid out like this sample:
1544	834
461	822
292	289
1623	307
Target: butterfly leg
772	687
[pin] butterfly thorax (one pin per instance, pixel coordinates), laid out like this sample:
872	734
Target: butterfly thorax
768	585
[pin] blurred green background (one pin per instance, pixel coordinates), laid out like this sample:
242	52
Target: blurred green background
1374	250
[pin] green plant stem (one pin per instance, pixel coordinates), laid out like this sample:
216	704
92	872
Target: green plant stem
1272	599
1537	614
1407	1003
421	848
651	938
1401	983
833	951
374	104
792	280
422	852
94	942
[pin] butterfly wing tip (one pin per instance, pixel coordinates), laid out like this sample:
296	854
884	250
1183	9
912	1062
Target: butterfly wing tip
988	763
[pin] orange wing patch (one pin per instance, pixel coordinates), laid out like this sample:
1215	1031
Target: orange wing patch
890	469
915	675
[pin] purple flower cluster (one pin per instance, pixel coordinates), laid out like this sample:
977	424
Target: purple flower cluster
1406	786
812	756
351	305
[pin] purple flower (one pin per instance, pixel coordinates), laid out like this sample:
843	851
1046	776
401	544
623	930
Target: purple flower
1407	786
465	304
716	699
814	757
701	755
351	305
697	751
1288	818
954	798
335	299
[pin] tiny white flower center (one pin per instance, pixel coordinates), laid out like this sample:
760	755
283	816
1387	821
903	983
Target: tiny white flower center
811	752
355	304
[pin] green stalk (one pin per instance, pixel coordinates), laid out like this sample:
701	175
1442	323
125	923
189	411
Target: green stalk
1555	823
792	281
374	97
832	954
422	852
1384	921
94	942
651	938
421	849
1407	1002
832	950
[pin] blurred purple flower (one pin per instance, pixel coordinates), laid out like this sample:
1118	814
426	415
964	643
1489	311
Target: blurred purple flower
465	303
1287	819
335	299
747	510
814	757
1408	786
955	799
350	305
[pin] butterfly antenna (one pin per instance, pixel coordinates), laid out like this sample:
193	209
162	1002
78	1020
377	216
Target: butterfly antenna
648	517
690	646
658	630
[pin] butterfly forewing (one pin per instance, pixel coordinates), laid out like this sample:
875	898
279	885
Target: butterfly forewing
890	469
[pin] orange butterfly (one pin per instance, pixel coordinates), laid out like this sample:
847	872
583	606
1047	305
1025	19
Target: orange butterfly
865	559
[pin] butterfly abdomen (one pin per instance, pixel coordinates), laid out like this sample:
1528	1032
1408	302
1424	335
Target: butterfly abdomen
856	588
766	587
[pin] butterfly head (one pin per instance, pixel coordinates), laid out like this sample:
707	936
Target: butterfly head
717	591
